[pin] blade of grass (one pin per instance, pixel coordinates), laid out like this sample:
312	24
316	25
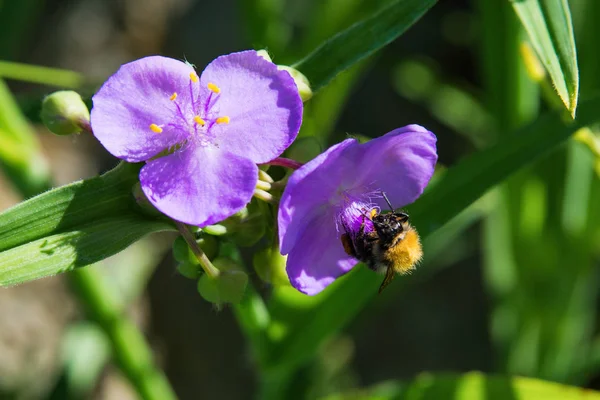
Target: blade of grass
361	40
43	75
548	23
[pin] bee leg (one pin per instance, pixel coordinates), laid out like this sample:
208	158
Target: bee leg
361	231
389	276
362	247
348	245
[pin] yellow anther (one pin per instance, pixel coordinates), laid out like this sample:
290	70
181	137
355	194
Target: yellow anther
373	213
214	88
222	120
155	128
173	96
199	120
193	77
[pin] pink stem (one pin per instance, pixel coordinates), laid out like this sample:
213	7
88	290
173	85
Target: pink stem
285	162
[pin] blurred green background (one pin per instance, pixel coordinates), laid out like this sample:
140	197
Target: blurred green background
510	286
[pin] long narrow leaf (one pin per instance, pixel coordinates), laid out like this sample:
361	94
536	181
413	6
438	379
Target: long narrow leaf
471	386
548	24
361	40
66	251
72	226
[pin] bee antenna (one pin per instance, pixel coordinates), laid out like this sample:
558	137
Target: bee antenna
387	201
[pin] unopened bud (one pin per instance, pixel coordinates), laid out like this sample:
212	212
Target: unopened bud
189	269
228	287
302	82
264	54
65	113
248	226
269	264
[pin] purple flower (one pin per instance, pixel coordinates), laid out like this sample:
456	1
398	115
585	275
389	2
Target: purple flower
330	195
200	136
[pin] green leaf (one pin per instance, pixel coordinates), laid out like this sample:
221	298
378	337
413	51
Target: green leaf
20	154
471	386
548	24
43	75
361	40
72	226
301	323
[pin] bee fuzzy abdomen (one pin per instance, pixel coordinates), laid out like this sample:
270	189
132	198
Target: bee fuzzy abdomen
404	256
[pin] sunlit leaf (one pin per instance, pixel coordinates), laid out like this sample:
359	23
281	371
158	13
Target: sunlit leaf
470	386
548	24
361	40
72	226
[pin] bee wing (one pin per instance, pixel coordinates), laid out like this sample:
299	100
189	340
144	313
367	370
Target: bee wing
389	276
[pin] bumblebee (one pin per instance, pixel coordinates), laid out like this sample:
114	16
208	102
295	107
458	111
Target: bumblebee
393	247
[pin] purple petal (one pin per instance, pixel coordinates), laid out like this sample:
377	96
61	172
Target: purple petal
262	103
199	185
400	163
135	97
318	257
309	191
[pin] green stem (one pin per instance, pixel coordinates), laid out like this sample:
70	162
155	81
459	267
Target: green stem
205	263
42	75
130	349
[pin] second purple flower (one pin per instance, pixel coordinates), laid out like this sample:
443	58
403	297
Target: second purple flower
334	194
201	136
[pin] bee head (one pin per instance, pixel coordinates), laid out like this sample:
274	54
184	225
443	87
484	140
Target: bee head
390	225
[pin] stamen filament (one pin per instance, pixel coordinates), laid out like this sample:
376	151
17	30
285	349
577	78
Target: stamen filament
199	120
173	97
214	88
222	120
155	128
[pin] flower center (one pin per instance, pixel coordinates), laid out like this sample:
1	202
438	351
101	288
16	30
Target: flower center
199	126
354	214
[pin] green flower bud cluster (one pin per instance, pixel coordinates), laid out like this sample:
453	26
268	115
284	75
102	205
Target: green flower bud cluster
269	264
188	265
228	286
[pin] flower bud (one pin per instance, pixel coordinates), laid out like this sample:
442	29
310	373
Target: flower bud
269	264
248	226
189	269
65	113
301	82
215	230
264	54
228	287
299	78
